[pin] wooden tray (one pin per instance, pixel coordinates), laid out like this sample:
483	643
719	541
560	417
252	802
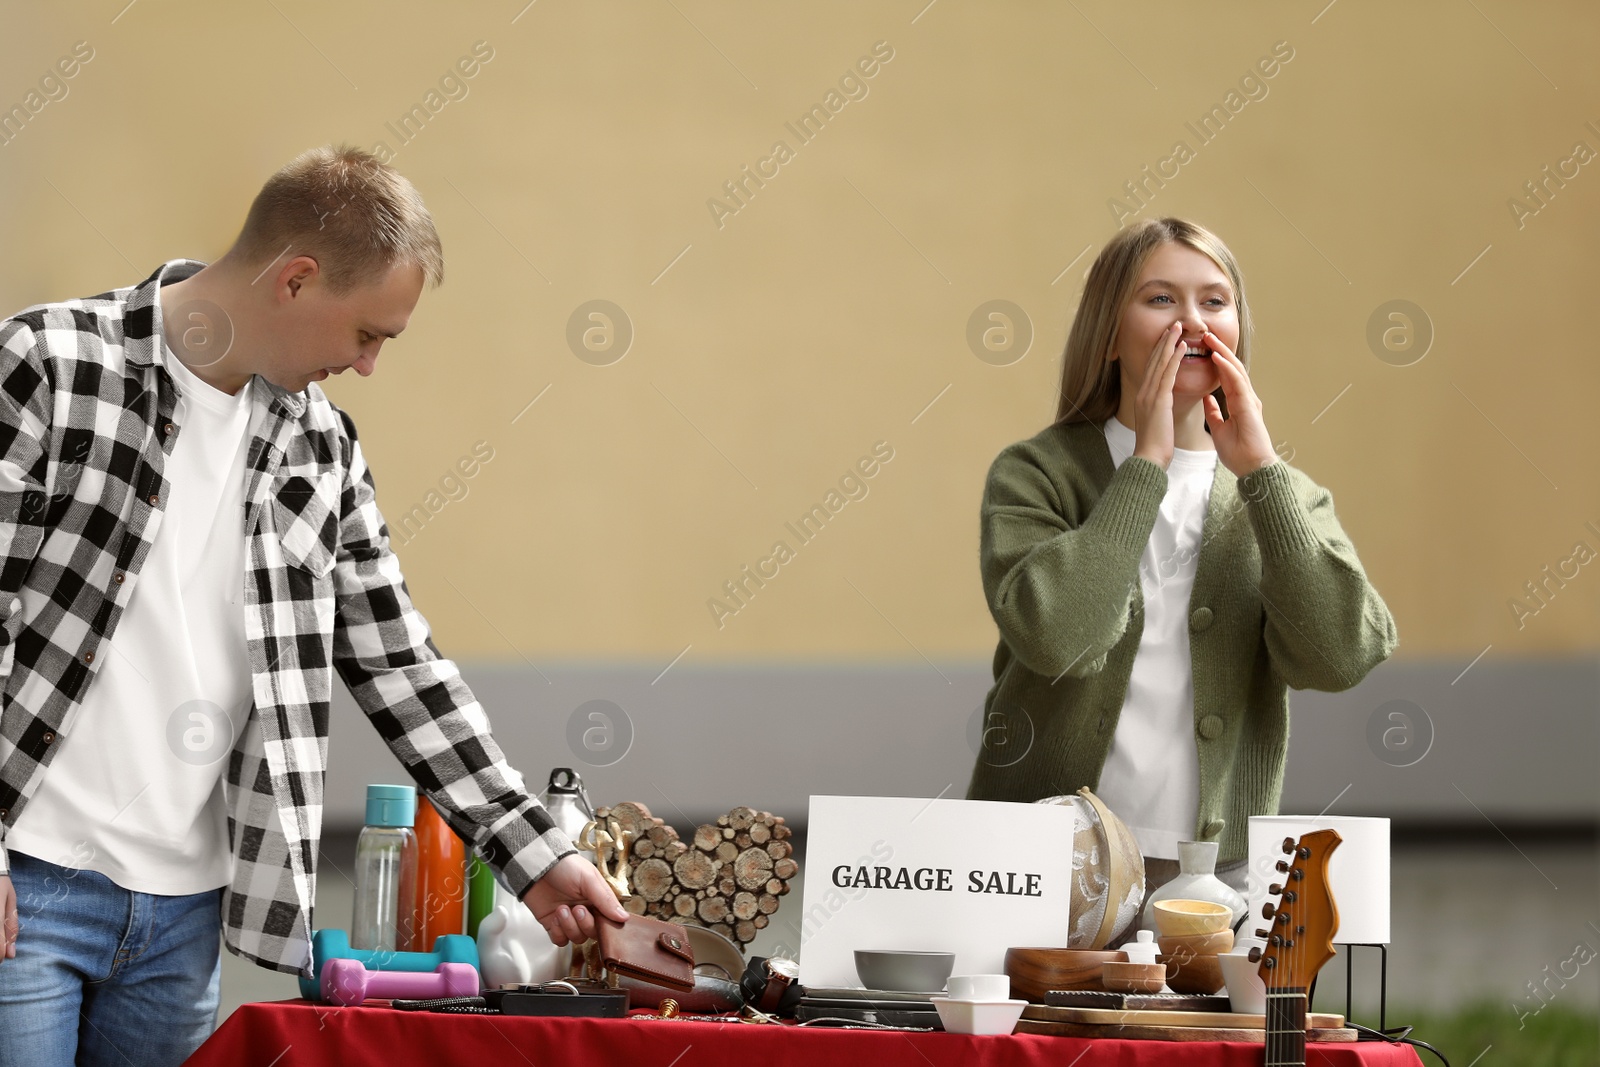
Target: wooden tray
1168	1033
1223	1020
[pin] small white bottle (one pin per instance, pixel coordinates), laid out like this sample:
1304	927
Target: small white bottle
1143	948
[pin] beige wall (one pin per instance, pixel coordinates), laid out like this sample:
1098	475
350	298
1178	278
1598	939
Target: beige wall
831	309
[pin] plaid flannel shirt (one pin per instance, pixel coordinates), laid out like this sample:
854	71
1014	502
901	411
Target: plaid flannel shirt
86	423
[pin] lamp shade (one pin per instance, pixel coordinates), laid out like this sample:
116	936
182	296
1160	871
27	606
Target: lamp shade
1358	870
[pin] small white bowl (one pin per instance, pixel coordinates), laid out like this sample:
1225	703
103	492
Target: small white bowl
979	1016
979	986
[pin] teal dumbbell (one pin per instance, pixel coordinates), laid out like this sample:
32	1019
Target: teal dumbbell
335	945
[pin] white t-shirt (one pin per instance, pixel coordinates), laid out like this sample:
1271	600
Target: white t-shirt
135	791
1151	777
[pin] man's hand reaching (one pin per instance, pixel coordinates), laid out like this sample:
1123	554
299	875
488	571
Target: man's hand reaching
565	899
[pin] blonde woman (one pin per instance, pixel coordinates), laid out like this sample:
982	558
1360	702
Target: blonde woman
1159	576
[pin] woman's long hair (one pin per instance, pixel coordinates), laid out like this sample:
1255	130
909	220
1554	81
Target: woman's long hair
1091	383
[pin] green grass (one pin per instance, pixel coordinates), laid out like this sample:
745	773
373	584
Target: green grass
1559	1036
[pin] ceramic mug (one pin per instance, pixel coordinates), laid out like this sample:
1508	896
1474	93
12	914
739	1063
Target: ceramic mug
1247	993
979	987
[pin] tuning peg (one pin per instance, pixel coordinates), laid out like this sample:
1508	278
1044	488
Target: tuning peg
1290	896
1254	955
1271	962
1263	933
1268	911
1282	867
1288	846
1275	888
1304	853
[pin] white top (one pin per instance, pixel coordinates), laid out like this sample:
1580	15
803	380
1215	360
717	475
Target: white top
1151	777
135	791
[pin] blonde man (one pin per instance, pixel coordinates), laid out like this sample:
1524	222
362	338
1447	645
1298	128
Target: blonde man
183	510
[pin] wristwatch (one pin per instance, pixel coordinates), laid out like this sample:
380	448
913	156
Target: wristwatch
769	985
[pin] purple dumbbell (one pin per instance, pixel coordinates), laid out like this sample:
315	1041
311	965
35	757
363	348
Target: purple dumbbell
349	982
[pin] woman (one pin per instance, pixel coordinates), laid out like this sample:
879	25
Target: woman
1159	576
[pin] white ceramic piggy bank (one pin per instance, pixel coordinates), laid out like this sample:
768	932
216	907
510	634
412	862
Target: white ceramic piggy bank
513	948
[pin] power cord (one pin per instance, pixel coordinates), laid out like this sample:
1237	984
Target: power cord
1395	1035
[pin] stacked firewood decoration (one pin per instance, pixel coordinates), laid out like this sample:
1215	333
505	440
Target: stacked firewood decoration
728	878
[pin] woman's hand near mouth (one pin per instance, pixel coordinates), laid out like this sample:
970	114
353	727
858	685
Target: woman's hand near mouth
1243	444
1154	433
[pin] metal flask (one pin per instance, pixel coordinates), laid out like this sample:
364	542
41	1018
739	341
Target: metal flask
567	802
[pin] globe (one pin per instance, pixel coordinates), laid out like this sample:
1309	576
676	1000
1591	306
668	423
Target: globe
1107	873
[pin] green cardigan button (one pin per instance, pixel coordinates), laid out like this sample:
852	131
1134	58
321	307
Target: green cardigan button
1200	619
1211	727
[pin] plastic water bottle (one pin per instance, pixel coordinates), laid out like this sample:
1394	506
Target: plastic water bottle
386	871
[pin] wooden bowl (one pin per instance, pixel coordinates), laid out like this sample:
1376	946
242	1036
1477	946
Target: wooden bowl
1197	944
1191	917
1036	971
1193	974
1133	977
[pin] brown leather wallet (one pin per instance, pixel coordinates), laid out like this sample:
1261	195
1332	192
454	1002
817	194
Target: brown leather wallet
648	950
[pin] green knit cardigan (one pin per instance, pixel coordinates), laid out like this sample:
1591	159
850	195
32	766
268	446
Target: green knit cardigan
1279	601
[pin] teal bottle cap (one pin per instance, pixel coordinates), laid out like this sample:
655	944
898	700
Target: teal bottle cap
391	805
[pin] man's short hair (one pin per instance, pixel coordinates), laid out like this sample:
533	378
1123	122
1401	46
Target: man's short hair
355	215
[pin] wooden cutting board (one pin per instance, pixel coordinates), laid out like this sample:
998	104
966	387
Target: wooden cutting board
1220	1020
1167	1033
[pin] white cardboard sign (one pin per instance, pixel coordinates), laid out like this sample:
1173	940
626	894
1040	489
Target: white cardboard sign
973	877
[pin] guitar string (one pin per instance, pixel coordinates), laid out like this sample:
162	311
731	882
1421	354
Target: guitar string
1273	984
1271	980
1286	1009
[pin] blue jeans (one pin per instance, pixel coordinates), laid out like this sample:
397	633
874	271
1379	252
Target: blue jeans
104	975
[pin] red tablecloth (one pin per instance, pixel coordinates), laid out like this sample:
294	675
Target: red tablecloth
296	1033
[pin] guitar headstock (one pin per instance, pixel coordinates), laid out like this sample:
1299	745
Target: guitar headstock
1300	937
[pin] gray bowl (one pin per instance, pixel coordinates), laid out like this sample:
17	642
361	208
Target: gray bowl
909	972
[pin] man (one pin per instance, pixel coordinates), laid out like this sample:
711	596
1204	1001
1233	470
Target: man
183	510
